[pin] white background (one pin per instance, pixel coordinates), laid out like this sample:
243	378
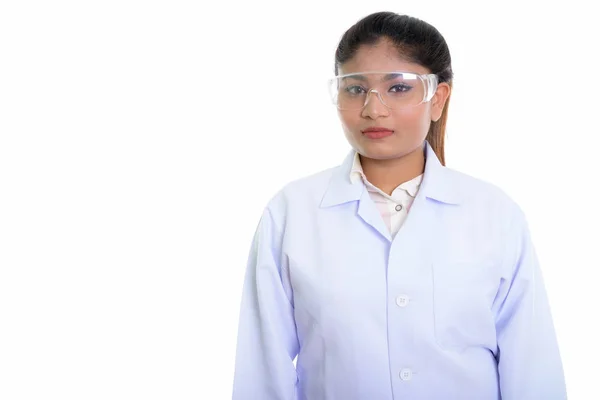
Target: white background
140	141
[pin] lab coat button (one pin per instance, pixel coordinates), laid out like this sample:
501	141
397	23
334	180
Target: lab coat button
406	374
399	207
402	300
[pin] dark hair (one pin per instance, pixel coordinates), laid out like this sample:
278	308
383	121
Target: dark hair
416	41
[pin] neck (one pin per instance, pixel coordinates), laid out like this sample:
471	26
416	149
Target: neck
387	175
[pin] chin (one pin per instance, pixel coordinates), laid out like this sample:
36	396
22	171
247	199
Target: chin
380	153
386	151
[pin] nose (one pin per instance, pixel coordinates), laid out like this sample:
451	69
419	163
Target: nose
374	108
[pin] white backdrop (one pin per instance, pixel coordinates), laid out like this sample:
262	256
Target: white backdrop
140	141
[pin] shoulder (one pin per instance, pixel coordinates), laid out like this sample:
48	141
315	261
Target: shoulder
488	217
481	194
304	192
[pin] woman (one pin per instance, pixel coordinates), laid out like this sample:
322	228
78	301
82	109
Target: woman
392	276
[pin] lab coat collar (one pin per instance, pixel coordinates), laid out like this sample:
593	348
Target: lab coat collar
438	182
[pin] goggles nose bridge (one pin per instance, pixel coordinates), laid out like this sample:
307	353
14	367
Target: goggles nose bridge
368	97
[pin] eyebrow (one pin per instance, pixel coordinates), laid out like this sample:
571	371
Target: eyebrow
387	77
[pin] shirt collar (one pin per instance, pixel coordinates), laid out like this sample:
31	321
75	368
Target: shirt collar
437	182
356	173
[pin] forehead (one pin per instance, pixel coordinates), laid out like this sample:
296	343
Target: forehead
382	56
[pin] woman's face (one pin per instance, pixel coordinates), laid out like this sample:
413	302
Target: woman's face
409	125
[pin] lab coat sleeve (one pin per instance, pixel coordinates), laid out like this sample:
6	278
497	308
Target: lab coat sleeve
529	362
267	341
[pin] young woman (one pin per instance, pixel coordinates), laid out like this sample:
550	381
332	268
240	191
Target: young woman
392	276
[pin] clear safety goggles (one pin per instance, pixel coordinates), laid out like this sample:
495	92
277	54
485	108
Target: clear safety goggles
396	90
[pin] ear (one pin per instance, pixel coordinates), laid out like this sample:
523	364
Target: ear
439	100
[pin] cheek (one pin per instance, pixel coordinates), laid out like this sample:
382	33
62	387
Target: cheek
414	120
351	122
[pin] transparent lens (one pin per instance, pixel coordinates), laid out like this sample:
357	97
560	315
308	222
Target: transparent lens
397	90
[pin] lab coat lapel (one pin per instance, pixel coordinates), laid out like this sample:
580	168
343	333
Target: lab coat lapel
367	210
418	239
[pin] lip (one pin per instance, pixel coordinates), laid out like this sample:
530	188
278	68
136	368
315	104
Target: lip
377	132
376	129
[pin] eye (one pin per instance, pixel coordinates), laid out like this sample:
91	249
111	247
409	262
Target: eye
400	88
354	89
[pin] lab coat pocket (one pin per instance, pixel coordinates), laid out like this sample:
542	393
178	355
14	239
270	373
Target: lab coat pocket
462	296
